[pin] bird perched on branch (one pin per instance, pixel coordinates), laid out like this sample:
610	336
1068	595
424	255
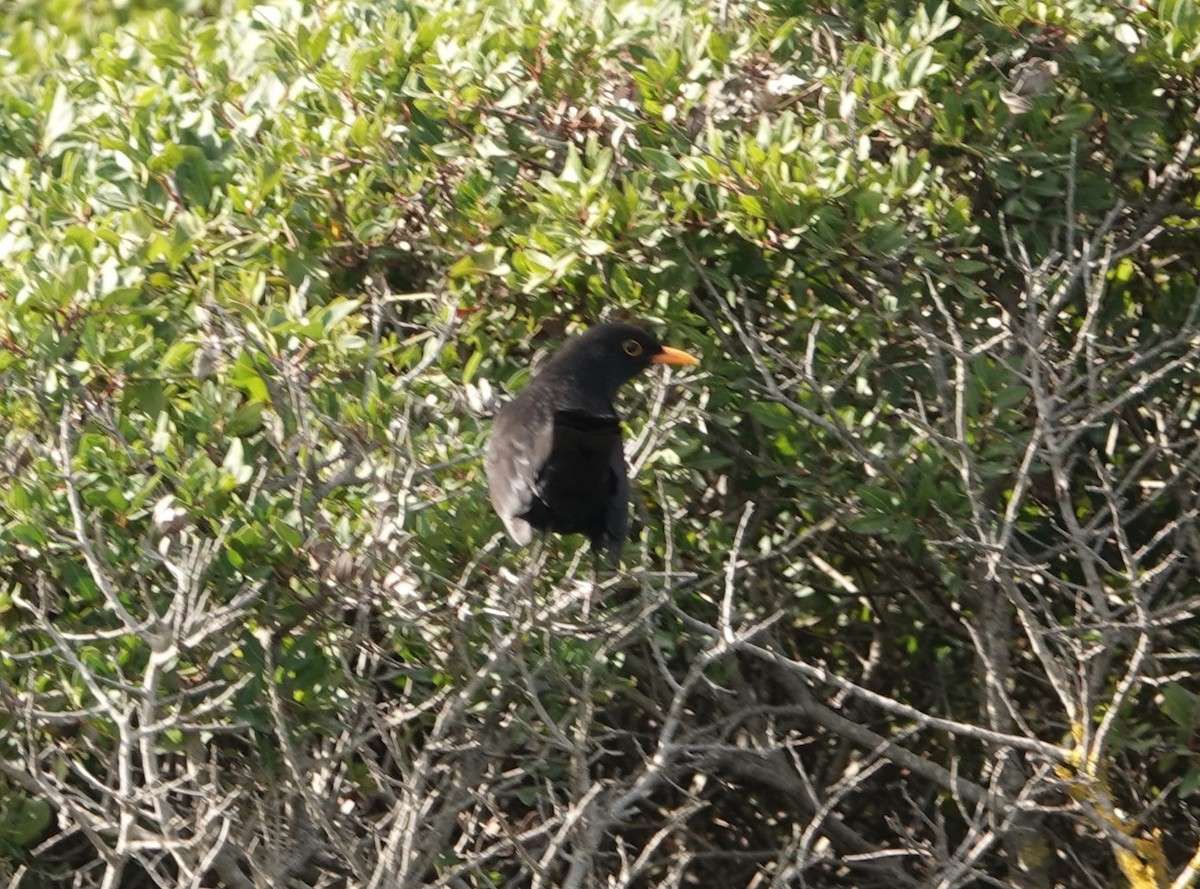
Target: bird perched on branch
555	461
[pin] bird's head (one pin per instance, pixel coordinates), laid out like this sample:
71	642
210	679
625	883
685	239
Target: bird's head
607	355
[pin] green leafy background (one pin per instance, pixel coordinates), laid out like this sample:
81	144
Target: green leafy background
278	263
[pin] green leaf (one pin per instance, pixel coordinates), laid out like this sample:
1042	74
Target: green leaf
235	464
907	99
337	312
919	66
1126	34
147	396
1181	706
872	524
572	170
22	820
60	119
662	162
472	366
30	535
247	378
1010	396
1190	783
246	419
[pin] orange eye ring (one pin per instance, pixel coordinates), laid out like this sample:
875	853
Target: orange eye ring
632	348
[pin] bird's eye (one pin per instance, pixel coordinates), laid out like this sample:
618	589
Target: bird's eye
632	348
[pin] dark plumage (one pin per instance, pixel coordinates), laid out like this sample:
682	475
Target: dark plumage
555	460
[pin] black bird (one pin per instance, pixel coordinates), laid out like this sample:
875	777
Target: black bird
555	460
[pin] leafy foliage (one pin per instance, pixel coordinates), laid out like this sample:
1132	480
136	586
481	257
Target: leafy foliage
916	556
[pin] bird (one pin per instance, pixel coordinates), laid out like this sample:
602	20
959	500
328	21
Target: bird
555	461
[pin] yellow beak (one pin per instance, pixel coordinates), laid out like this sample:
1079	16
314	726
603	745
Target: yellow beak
673	356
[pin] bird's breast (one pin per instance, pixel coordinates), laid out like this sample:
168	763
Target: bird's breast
576	483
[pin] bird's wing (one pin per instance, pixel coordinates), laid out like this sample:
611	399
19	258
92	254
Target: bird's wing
520	444
590	435
617	519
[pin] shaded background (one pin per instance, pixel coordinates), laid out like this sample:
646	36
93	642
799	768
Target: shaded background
910	599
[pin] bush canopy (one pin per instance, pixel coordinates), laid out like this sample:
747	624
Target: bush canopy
911	597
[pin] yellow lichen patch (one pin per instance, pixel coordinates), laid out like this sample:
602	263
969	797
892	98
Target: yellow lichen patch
1147	867
1086	781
